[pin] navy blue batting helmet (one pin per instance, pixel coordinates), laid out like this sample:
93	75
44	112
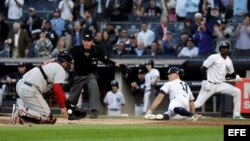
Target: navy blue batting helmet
224	44
149	62
64	56
175	70
114	83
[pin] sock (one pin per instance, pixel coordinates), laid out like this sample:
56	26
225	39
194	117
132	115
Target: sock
182	111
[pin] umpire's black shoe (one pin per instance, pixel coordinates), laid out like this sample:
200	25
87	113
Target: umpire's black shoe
93	114
74	117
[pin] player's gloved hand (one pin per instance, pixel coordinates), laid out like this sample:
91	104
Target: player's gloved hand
238	78
206	85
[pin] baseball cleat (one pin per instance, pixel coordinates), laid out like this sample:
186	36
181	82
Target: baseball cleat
196	117
15	117
238	117
13	114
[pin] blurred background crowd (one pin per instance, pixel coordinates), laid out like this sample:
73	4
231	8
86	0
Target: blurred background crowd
124	28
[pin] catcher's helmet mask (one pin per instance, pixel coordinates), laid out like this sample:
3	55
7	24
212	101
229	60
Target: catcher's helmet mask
64	56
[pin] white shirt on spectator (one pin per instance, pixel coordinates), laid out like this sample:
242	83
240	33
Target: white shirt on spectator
66	7
15	12
243	40
189	52
147	37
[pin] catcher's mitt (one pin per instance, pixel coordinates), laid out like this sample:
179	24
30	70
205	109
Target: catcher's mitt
77	113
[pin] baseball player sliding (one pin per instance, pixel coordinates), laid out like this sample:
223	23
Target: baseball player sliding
34	84
216	68
180	96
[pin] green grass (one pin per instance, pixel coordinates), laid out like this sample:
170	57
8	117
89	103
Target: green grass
110	133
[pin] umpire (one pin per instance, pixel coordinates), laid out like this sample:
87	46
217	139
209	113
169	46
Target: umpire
85	66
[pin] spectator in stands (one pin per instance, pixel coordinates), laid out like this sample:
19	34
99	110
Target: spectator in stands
114	100
166	6
120	49
43	46
189	28
58	24
137	90
243	41
146	35
76	36
132	45
66	8
203	38
240	9
141	49
186	9
152	10
190	51
4	29
198	18
19	41
34	38
15	9
124	36
61	45
213	16
229	10
183	42
138	8
170	45
115	10
161	30
156	49
99	10
50	33
78	9
108	42
89	23
32	21
222	32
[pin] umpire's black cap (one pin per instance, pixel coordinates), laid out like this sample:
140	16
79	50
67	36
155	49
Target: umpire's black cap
87	37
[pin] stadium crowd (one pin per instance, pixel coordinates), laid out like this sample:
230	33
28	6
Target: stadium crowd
151	28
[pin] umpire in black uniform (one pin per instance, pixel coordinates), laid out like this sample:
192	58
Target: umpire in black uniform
85	66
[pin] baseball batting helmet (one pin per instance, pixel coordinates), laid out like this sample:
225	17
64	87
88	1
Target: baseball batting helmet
175	70
224	44
150	62
64	56
114	83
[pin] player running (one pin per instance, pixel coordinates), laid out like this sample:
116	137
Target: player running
180	96
215	69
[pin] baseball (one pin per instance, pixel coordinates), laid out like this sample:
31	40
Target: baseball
69	111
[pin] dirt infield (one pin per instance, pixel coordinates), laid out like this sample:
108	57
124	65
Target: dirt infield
5	120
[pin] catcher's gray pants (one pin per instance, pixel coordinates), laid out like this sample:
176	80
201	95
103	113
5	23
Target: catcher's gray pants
93	90
32	103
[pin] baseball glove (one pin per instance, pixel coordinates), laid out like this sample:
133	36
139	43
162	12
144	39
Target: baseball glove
77	113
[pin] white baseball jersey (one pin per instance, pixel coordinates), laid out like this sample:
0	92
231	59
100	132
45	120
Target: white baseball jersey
149	77
218	67
114	100
54	71
177	89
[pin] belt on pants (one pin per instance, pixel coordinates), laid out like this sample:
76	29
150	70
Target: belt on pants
113	109
212	82
28	84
